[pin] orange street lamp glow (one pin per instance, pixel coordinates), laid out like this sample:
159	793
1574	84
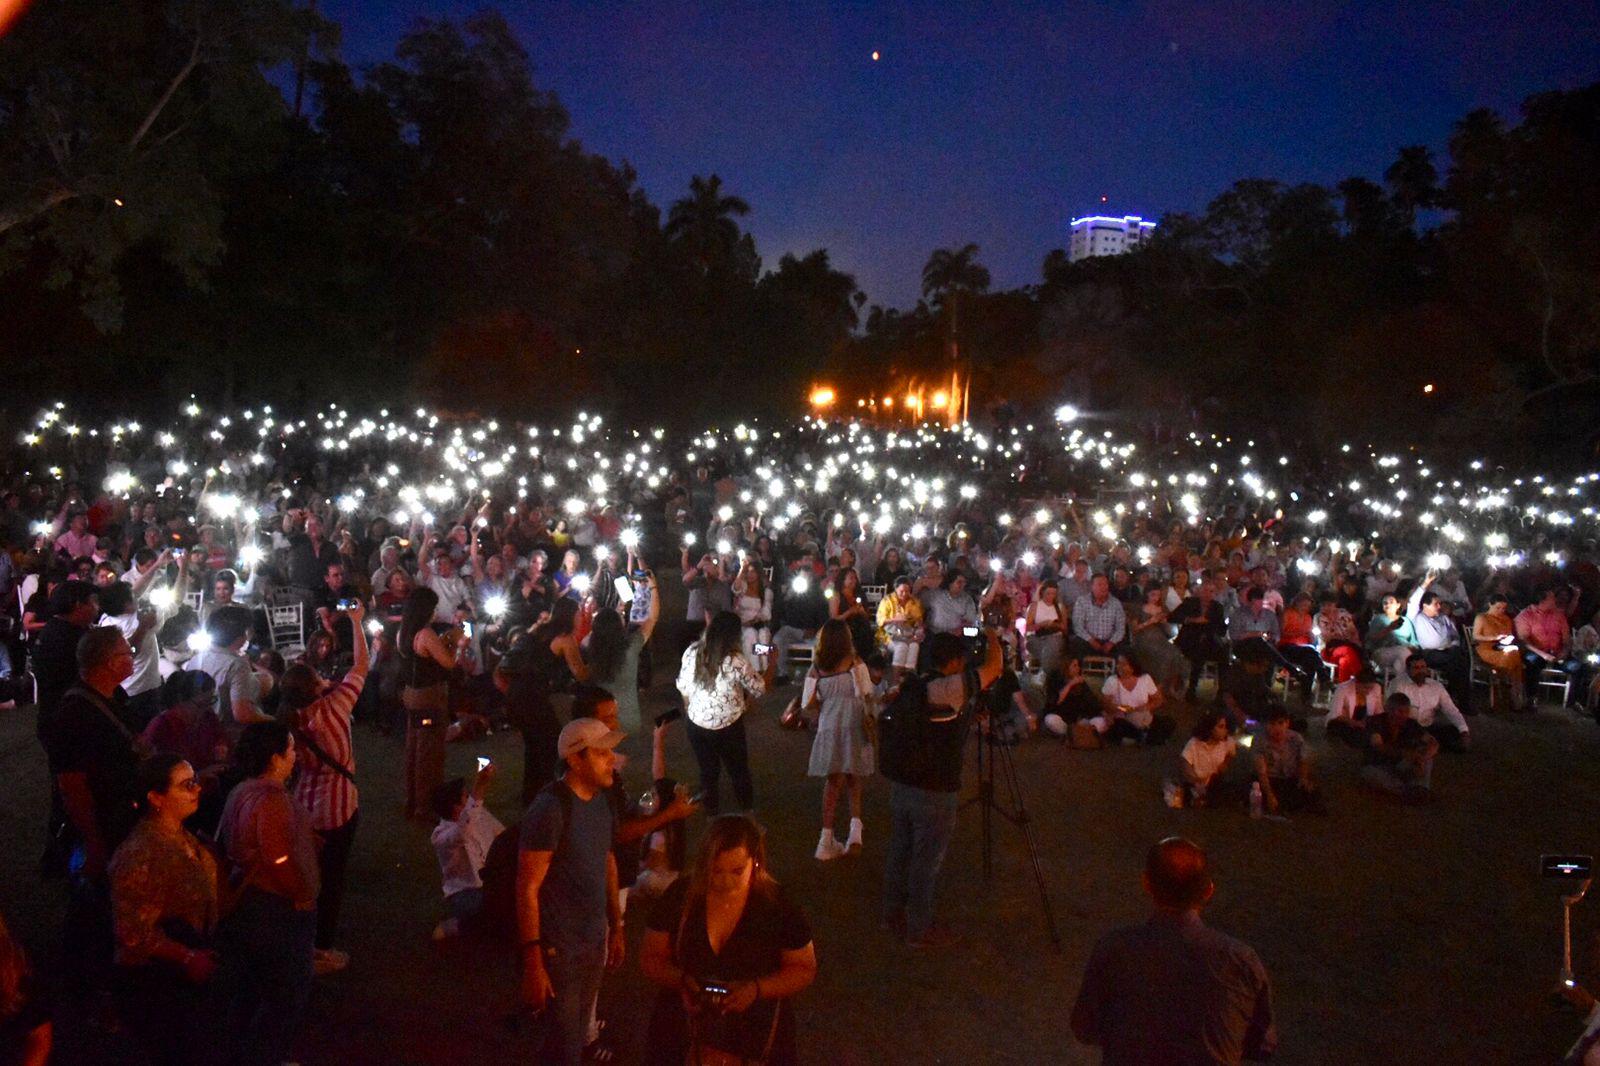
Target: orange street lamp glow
821	397
939	400
888	401
1428	387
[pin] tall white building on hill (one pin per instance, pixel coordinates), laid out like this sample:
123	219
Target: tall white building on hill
1102	235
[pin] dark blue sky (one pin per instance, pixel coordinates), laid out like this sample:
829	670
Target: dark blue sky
998	123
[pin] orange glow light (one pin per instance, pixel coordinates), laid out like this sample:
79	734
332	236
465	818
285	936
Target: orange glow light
939	400
821	397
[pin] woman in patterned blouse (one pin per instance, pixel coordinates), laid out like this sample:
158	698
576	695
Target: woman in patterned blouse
164	905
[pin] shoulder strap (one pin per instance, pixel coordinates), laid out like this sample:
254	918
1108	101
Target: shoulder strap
103	707
558	788
305	740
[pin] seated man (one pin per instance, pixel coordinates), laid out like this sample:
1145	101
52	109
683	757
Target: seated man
1430	700
1283	767
1099	621
1399	752
1546	639
1438	638
461	841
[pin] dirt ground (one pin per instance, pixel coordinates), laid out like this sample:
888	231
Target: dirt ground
1392	934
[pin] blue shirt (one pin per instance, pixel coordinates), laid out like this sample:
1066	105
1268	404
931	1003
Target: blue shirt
1106	622
572	899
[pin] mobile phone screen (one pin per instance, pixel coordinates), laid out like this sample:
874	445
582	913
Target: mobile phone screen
624	589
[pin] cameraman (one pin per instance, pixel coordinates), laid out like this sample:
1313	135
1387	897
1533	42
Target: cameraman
924	733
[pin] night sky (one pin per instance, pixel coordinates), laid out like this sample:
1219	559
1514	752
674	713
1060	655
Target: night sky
997	124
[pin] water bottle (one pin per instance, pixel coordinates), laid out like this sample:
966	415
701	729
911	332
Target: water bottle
1255	800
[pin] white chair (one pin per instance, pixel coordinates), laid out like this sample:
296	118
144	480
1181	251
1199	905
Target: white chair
873	595
803	653
286	621
1099	667
193	600
1560	680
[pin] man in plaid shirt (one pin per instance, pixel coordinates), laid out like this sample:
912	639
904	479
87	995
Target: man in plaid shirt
319	715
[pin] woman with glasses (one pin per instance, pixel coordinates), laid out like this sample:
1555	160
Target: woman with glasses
164	908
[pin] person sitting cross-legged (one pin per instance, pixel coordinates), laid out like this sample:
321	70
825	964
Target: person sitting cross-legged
1400	752
1431	705
1283	767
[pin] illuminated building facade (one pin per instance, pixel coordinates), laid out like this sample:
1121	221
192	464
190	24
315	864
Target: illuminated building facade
1102	235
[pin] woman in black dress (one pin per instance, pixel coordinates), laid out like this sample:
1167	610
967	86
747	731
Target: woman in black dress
728	950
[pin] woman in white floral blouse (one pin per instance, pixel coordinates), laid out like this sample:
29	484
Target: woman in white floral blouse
717	682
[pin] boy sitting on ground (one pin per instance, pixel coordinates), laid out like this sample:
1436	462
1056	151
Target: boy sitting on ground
1283	767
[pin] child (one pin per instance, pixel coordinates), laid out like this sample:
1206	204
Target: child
1283	767
461	841
1205	761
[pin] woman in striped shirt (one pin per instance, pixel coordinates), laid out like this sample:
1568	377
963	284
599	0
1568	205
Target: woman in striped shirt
319	714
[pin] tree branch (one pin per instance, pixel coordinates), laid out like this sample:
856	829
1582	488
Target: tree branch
26	211
166	97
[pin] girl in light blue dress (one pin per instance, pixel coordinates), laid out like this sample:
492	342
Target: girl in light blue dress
838	683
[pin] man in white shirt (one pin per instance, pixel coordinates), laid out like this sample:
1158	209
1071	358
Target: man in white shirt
1429	701
439	574
461	840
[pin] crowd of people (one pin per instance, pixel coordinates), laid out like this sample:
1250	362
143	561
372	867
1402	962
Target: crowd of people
200	613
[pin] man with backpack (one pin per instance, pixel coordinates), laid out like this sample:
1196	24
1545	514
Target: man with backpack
923	734
568	913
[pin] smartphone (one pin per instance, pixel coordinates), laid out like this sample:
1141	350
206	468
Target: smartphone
483	763
179	553
714	990
763	649
1570	867
347	604
970	631
624	589
669	716
466	629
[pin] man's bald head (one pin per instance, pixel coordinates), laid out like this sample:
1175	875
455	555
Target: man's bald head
1177	875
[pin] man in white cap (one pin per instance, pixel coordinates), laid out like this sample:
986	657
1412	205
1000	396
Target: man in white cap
567	890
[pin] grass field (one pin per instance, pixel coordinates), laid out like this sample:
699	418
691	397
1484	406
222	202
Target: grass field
1393	934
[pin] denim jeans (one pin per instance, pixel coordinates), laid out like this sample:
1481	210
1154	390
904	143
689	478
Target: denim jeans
268	945
920	824
714	749
563	1026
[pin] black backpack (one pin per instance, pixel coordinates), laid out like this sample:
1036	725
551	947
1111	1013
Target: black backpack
913	749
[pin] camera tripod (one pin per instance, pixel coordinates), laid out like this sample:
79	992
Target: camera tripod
994	751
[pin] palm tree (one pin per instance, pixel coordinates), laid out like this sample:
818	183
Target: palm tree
1413	181
703	223
948	274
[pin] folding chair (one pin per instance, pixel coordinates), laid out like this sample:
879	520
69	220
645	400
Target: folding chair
286	622
1560	680
1099	667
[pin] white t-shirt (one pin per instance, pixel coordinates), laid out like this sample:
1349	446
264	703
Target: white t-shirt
1207	756
463	845
146	654
1133	698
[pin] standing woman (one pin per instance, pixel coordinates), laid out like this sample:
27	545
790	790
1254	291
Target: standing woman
538	674
842	752
164	907
846	606
716	680
271	934
728	925
614	655
426	662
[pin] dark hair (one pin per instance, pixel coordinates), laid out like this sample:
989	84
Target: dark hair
259	742
1277	712
1207	724
1133	661
586	699
563	619
1499	597
70	595
185	685
722	639
415	616
1433	597
228	623
95	647
299	686
116	598
1254	595
834	646
154	775
608	645
950	577
1396	700
1415	657
943	647
227	577
1178	874
445	796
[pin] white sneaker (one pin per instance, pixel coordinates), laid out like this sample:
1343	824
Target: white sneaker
853	845
828	848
